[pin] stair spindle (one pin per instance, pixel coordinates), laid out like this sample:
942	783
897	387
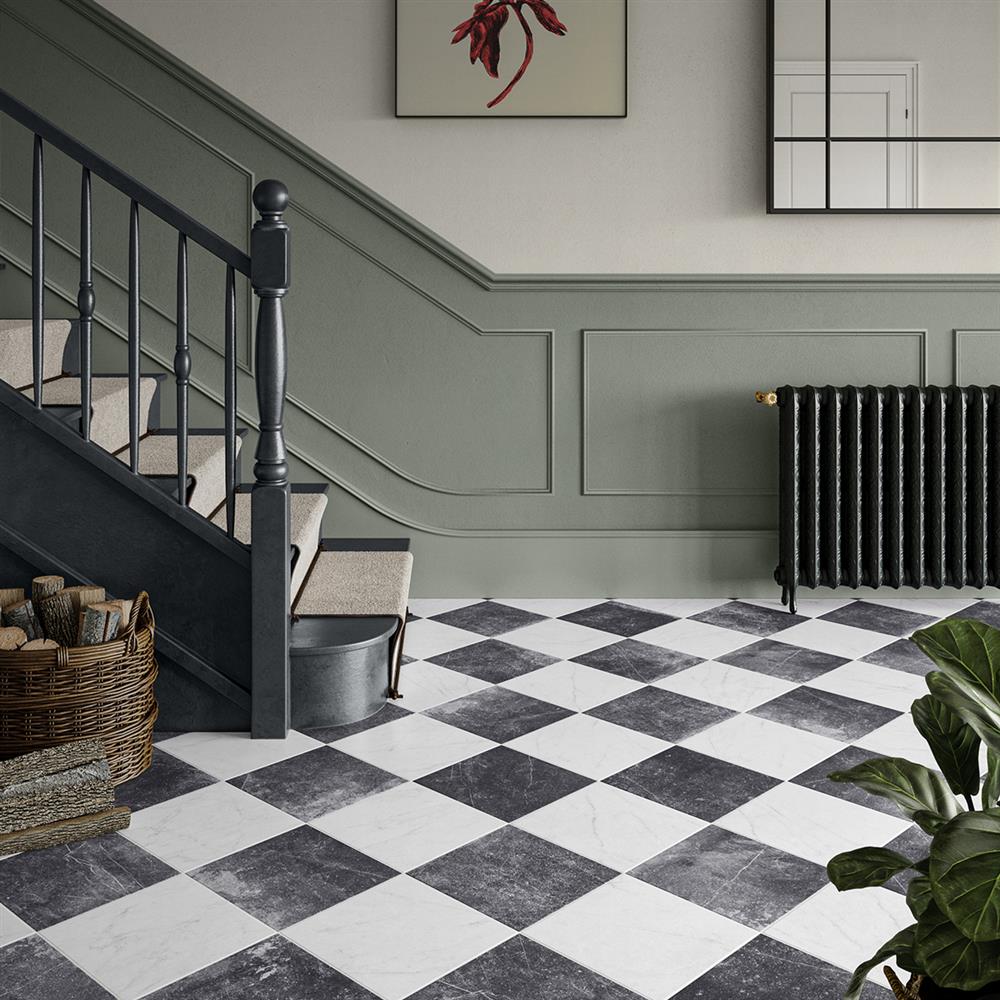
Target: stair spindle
182	368
37	273
133	338
85	304
230	400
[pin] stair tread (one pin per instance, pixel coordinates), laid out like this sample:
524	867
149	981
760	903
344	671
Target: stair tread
359	584
65	390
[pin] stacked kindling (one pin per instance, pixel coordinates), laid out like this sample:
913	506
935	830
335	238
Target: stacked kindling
56	615
57	795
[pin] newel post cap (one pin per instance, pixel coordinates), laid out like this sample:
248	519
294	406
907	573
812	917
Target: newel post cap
270	198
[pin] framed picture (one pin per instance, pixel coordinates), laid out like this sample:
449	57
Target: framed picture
511	58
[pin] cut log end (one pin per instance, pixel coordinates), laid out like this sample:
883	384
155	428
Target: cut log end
36	644
45	586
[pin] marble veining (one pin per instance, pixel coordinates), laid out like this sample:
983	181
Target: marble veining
619	618
639	661
663	714
492	660
498	714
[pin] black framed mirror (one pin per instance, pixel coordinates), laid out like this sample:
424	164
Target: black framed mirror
883	106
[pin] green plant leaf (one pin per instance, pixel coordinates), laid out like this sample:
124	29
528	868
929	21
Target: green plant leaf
967	653
920	793
864	867
903	942
919	896
954	743
965	873
991	780
945	954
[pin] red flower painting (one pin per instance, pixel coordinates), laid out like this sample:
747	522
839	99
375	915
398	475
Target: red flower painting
483	31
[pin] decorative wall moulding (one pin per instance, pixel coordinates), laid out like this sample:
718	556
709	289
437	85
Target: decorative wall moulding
529	59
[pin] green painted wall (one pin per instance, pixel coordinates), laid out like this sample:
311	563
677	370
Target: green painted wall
579	435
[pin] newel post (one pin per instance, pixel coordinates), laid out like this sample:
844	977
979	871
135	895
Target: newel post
270	543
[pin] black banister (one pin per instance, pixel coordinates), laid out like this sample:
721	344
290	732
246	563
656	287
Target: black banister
85	303
128	185
134	347
230	400
38	271
182	368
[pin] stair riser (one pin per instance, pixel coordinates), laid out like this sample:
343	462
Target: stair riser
16	350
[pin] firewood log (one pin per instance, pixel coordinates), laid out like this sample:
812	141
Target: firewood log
77	791
82	595
98	623
12	638
45	586
126	610
65	831
11	595
58	618
36	644
22	616
51	760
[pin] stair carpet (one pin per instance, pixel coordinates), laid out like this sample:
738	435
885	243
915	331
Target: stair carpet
335	583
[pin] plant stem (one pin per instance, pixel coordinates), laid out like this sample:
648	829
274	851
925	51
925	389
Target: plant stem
968	802
529	49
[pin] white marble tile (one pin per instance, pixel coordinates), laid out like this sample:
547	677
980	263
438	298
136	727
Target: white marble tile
551	607
610	826
697	638
647	940
12	927
844	928
762	745
149	938
726	685
425	638
226	755
406	826
830	637
559	638
811	824
206	824
572	685
414	746
425	685
398	937
869	682
427	607
679	607
899	738
588	746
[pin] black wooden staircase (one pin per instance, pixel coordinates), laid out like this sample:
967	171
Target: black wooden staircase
94	488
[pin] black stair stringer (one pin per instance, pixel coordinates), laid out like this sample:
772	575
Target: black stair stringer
69	507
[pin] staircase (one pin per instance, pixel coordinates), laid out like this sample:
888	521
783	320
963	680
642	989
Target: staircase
96	489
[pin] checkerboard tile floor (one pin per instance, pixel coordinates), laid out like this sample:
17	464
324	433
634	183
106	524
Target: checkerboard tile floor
597	799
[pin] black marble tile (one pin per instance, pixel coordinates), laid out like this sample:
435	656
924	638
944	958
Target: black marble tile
638	661
767	968
292	876
663	714
274	969
504	783
981	611
618	618
31	969
913	844
749	618
492	660
878	618
748	882
497	714
826	714
316	782
521	969
693	783
816	778
780	659
513	876
902	655
390	713
488	618
165	778
48	886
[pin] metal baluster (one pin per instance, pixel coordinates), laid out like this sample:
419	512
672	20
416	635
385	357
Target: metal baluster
182	368
230	400
133	338
85	304
37	273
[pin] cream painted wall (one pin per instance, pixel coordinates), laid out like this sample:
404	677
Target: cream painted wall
677	187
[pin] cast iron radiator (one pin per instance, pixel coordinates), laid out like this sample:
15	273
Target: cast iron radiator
888	486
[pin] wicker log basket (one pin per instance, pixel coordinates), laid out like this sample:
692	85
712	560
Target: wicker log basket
104	692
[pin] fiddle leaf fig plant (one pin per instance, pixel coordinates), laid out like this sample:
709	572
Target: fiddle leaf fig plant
955	898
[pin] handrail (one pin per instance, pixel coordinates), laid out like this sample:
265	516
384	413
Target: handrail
125	183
